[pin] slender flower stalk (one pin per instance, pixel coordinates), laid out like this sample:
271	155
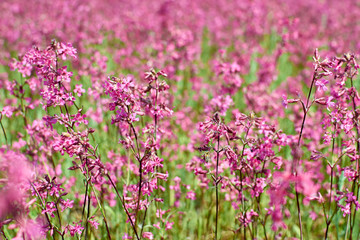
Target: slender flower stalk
3	129
356	124
297	161
217	180
124	206
305	110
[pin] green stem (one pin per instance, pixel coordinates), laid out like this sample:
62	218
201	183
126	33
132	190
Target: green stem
217	187
123	203
3	129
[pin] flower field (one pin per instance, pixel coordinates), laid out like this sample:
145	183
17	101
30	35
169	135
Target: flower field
234	119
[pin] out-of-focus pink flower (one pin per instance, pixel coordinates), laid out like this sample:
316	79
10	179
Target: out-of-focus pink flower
191	195
284	101
65	50
168	225
126	236
148	235
7	111
94	223
49	121
79	90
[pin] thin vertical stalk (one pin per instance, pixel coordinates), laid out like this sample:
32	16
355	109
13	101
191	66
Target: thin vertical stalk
242	200
87	217
328	220
59	218
357	161
138	157
123	203
102	211
139	192
347	227
155	117
261	221
3	129
85	198
306	109
216	185
44	207
241	177
143	222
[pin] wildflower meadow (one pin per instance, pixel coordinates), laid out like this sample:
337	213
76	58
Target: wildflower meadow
187	119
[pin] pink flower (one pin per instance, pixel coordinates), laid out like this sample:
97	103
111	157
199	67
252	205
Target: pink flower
7	111
313	215
321	84
66	204
76	229
126	236
79	90
49	121
157	225
94	223
191	195
168	225
49	208
19	144
284	101
148	235
65	50
219	104
329	103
